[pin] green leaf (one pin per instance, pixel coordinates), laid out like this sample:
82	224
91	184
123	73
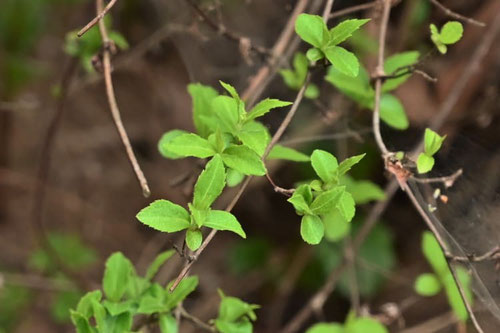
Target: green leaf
167	323
226	109
294	79
357	88
301	199
346	206
202	97
312	229
326	328
344	30
392	112
193	239
324	164
84	306
231	90
244	160
453	294
451	32
312	91
242	326
312	29
264	107
210	184
433	253
255	136
190	145
343	60
222	220
164	216
348	163
116	276
336	226
327	201
397	64
432	142
82	324
233	177
364	191
314	54
64	301
165	140
279	152
364	325
157	263
232	309
427	284
424	163
185	287
118	308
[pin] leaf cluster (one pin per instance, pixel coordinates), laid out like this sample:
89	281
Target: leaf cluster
352	324
296	77
432	144
320	197
430	284
235	315
313	30
126	295
360	90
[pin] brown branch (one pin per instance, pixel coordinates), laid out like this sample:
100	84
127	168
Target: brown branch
354	9
100	15
113	105
196	321
448	181
453	14
334	136
221	29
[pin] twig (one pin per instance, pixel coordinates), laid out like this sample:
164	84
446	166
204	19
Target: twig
231	205
332	136
354	9
451	13
327	10
493	254
113	105
95	20
223	31
379	73
196	321
448	181
433	325
277	188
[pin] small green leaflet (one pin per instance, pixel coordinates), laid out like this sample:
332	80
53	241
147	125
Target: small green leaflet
450	33
397	64
432	142
327	201
222	220
190	145
348	163
166	139
344	30
326	328
193	239
312	29
202	97
425	163
343	60
312	229
264	107
116	275
157	263
164	216
210	183
392	112
346	206
324	164
279	152
428	284
244	160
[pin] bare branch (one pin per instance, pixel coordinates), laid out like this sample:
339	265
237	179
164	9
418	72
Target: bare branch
98	18
451	13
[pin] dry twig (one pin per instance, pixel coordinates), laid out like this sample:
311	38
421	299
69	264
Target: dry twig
451	13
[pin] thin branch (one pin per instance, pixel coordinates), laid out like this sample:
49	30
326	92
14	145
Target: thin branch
113	105
332	136
98	18
379	73
278	189
493	254
354	9
453	14
196	321
448	181
221	29
327	10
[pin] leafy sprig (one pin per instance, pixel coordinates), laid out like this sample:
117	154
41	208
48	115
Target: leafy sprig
432	144
449	34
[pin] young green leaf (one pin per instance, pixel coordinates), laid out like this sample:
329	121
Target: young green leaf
190	145
346	206
398	64
326	328
233	177
165	140
364	191
193	239
433	253
294	79
432	142
222	220
336	226
210	184
226	109
167	323
312	229
358	88
453	294
365	324
164	216
82	324
117	308
451	32
301	199
84	306
424	163
255	136
393	113
244	160
116	276
312	91
231	90
427	284
264	107
348	163
343	60
344	30
314	54
279	152
327	201
202	97
312	29
157	263
324	164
